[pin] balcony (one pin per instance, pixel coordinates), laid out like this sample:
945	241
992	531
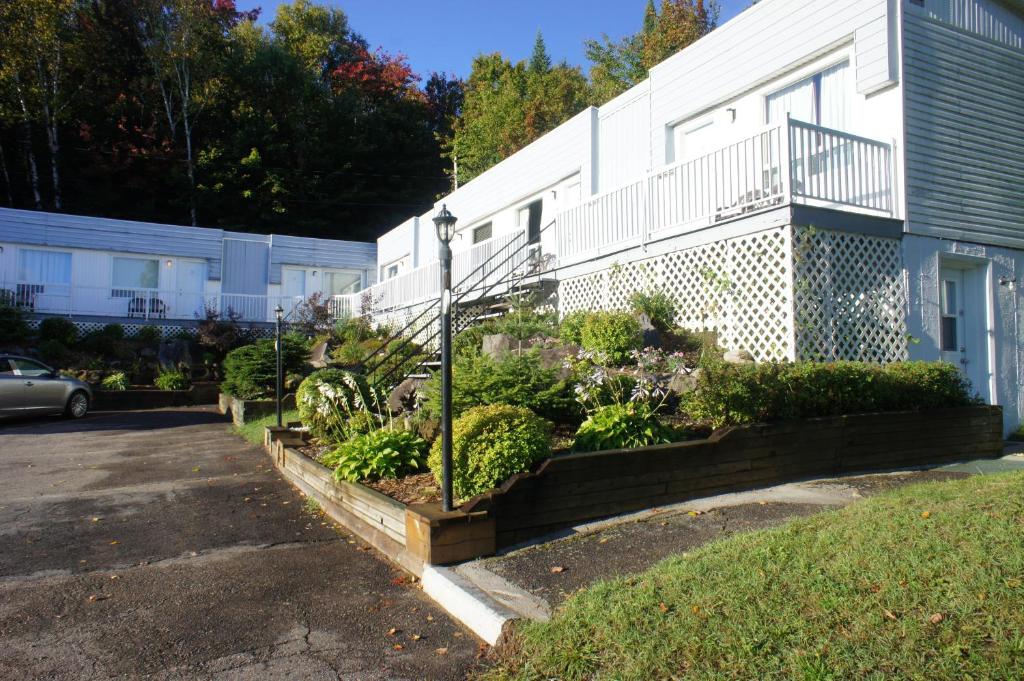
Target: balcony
790	163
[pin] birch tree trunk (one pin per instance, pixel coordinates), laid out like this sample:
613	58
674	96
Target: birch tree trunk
7	176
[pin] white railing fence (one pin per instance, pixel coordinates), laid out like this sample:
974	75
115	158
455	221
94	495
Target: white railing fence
791	162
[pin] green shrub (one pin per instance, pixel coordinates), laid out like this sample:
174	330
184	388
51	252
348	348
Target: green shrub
328	399
112	332
115	381
14	328
491	444
659	307
54	352
58	329
733	394
150	335
518	380
621	426
172	380
571	328
385	453
613	334
250	372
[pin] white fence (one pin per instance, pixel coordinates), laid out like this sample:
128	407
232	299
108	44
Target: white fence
792	162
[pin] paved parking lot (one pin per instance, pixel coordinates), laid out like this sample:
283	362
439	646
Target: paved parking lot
159	544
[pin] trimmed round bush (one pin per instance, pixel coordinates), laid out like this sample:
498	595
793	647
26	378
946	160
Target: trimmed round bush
150	335
250	372
490	444
570	330
613	334
58	329
621	426
326	399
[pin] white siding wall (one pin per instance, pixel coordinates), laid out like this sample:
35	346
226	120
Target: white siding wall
624	137
400	242
964	120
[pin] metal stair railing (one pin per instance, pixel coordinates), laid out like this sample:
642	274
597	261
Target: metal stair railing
483	290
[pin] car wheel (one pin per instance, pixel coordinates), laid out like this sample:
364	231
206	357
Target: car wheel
78	405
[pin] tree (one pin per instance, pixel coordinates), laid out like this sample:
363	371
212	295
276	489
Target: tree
37	51
617	66
507	106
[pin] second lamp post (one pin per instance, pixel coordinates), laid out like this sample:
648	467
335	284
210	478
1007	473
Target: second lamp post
445	223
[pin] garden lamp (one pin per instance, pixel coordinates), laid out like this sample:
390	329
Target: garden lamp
279	315
445	223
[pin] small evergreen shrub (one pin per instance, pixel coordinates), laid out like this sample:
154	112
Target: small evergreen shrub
612	334
14	328
384	453
58	329
328	400
571	328
734	394
622	426
518	380
250	372
116	381
150	335
659	307
491	444
172	380
112	332
54	352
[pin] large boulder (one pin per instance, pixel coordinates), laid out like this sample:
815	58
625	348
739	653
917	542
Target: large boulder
174	354
682	382
403	397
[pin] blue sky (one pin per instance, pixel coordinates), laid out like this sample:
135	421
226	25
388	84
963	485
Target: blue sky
445	35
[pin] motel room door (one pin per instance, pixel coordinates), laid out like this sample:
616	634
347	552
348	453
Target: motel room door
244	278
190	284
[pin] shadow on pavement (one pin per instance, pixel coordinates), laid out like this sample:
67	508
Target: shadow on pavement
152	419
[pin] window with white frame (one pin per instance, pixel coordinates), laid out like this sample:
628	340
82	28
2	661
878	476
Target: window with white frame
135	273
820	99
482	233
338	283
44	267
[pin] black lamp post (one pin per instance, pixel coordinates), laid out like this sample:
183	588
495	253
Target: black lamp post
445	223
278	314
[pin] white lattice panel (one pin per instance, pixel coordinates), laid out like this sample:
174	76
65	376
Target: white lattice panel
738	287
850	297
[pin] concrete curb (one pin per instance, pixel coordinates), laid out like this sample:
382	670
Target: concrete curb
466	602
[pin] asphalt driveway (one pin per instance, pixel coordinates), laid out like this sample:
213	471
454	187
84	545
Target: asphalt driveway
158	544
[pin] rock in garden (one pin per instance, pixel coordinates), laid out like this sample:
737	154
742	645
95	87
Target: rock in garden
738	357
682	382
403	397
174	353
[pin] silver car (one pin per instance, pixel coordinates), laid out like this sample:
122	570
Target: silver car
27	386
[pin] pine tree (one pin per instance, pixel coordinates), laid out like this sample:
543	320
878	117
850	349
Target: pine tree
540	62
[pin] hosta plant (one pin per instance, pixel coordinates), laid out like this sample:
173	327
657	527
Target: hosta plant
115	381
621	426
173	380
384	453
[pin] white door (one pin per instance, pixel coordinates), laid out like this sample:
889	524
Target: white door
190	284
293	288
963	324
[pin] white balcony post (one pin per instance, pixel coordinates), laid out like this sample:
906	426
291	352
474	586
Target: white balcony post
787	159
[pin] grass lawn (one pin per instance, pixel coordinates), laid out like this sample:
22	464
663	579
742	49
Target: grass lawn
253	432
926	582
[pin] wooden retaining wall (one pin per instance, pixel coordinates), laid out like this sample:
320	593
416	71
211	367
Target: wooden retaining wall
568	490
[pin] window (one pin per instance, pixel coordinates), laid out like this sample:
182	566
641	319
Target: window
340	283
949	314
135	273
820	99
6	369
391	271
44	267
24	367
482	233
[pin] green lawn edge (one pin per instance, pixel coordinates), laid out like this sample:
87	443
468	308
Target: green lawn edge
924	582
253	431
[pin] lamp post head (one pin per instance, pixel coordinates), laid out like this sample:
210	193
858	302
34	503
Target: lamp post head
278	312
445	223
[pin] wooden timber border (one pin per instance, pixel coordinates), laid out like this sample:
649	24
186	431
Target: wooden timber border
575	488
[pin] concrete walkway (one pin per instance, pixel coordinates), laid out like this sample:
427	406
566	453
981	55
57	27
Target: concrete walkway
159	544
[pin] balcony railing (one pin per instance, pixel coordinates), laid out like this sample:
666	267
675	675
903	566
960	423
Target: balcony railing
791	162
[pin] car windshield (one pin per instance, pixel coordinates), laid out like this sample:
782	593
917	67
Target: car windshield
25	367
